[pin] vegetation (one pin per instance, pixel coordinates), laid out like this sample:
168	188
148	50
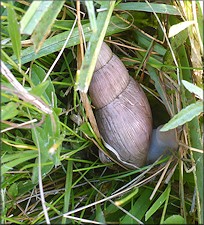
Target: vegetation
50	170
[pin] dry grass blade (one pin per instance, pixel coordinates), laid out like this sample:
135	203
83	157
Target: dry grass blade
24	93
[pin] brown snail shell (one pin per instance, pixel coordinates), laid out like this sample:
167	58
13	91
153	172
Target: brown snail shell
122	110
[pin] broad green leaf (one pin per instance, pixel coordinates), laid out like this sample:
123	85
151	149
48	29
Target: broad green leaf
13	190
9	111
85	129
48	91
14	32
193	89
25	186
158	203
175	29
100	214
142	6
84	76
40	88
58	111
47	139
43	28
33	16
68	189
5	97
184	116
174	219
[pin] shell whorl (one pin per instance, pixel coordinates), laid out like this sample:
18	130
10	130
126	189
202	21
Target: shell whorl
109	80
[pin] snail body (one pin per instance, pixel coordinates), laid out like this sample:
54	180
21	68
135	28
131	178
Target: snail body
162	143
122	111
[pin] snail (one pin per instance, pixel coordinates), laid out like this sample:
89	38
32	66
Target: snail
123	115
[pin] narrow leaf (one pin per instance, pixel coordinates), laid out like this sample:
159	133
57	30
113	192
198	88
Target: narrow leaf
158	203
47	139
43	28
100	217
68	190
48	90
9	111
128	197
40	88
14	32
18	160
177	28
193	89
142	6
92	16
158	85
33	15
184	116
139	208
11	157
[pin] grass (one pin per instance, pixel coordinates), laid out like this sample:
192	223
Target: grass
50	170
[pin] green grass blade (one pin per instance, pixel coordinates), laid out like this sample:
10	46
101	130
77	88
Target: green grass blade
154	76
100	214
33	16
18	159
68	187
7	158
128	197
94	46
142	6
43	28
14	32
139	208
157	204
92	16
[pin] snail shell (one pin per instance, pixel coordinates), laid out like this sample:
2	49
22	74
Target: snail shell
122	110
